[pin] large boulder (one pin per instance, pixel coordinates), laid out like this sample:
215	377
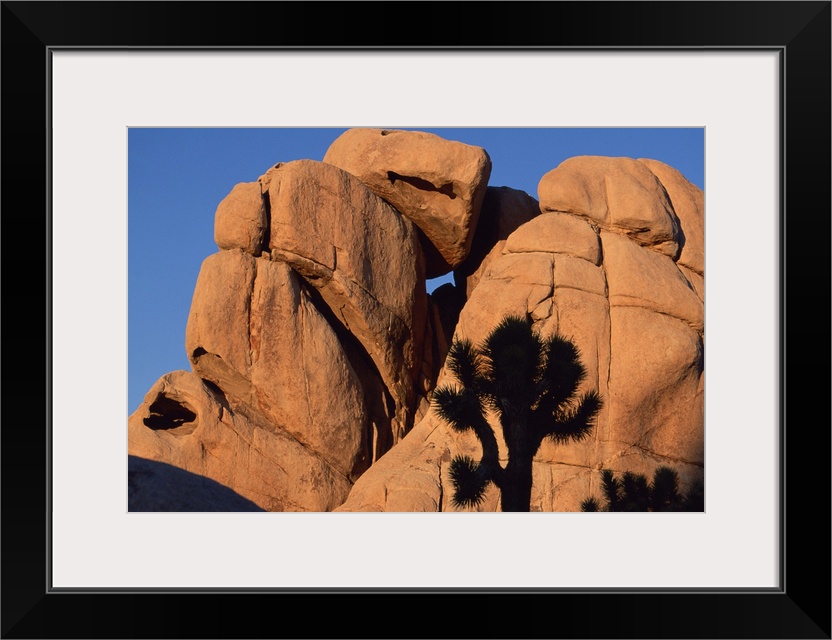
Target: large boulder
605	276
255	331
364	260
438	184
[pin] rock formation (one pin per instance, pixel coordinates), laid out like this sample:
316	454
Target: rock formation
315	347
593	266
438	184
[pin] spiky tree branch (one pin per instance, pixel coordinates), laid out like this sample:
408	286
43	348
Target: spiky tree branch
530	385
632	492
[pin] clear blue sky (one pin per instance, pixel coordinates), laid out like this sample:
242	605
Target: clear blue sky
177	177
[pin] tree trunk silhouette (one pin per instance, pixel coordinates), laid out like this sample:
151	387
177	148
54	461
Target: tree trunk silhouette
531	386
516	493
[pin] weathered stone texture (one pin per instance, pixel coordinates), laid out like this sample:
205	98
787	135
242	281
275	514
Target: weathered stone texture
503	210
187	423
688	202
363	258
438	184
240	221
255	332
620	194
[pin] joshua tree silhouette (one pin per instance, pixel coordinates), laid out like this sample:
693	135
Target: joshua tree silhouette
632	493
530	383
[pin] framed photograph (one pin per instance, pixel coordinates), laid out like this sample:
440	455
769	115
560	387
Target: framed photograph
754	77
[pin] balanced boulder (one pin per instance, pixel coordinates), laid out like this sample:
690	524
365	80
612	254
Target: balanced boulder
438	184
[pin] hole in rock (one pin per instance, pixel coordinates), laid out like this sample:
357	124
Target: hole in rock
167	414
422	184
433	284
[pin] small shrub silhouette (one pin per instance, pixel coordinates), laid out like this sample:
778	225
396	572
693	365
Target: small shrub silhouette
632	492
530	383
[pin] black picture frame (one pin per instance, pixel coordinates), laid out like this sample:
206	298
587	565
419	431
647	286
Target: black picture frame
800	608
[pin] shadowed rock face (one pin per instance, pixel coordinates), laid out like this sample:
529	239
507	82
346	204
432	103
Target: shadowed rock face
315	348
503	210
156	486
